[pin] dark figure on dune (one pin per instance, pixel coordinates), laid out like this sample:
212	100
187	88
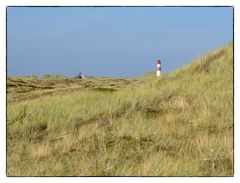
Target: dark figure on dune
80	76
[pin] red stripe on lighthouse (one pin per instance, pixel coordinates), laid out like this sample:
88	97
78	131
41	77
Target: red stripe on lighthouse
158	65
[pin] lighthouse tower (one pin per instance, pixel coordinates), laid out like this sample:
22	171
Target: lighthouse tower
158	68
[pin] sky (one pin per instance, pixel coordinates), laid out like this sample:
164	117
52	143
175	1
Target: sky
111	41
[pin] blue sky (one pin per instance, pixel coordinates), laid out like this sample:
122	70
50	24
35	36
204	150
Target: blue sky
111	41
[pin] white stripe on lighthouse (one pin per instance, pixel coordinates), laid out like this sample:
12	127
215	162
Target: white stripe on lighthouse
158	65
158	73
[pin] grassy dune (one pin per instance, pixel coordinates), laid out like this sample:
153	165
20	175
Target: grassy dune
180	124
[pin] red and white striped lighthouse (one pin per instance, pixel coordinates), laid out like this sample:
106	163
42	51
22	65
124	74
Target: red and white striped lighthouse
158	68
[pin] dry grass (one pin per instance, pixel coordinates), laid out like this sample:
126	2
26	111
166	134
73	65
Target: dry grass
178	125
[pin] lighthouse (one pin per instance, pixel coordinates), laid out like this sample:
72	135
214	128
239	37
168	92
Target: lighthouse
158	68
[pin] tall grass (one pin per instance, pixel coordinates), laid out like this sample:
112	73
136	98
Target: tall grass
180	124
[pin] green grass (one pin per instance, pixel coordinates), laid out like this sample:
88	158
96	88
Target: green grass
180	124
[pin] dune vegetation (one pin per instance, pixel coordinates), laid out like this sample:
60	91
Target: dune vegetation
180	124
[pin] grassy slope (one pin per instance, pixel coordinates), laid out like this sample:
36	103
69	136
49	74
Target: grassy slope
178	124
